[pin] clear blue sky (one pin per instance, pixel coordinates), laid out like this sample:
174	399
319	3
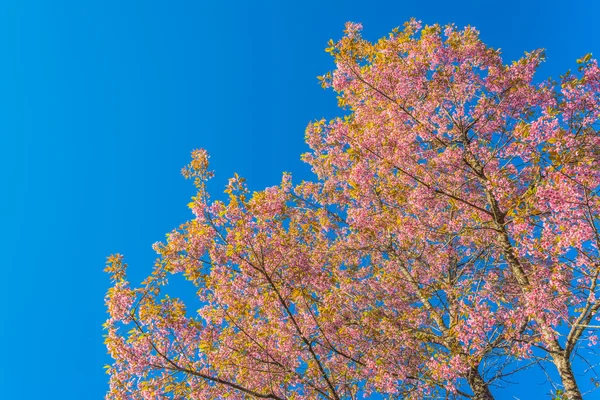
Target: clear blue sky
101	103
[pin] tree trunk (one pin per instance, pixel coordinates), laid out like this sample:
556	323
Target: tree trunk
478	386
560	357
563	365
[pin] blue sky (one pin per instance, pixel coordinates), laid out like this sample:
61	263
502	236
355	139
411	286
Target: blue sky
101	103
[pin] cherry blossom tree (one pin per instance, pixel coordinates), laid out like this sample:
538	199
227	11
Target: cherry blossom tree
450	238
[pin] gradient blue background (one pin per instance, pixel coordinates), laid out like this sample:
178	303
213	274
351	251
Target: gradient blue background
101	103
